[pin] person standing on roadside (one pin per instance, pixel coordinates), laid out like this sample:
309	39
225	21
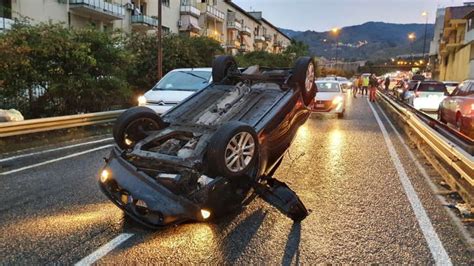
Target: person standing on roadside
355	86
387	83
365	84
373	84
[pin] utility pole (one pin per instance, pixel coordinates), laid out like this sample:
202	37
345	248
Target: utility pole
160	42
425	14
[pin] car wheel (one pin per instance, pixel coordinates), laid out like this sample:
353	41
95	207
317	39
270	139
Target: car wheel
134	125
304	74
233	150
340	115
222	66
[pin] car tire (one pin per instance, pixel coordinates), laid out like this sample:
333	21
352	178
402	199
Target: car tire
340	115
304	75
134	124
222	67
233	150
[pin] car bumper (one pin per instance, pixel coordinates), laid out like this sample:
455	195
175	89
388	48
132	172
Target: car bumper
159	109
430	105
338	108
143	198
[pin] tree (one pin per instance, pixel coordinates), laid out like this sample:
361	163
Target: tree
48	69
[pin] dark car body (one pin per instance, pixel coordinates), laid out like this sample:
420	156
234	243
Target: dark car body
458	108
167	177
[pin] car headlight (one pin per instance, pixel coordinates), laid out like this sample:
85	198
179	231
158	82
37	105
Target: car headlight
337	100
141	100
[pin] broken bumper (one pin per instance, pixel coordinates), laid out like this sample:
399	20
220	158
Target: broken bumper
142	197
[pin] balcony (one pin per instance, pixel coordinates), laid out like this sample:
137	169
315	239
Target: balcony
278	44
234	25
190	10
98	9
6	24
246	31
213	34
268	37
142	21
259	38
215	13
233	44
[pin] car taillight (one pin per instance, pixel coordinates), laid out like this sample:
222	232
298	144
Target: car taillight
472	108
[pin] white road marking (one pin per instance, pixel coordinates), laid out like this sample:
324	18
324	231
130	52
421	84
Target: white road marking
454	218
438	252
103	250
51	150
56	160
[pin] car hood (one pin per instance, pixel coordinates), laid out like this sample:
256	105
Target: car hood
327	96
167	96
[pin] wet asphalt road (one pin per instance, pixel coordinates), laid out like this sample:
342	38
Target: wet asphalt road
341	169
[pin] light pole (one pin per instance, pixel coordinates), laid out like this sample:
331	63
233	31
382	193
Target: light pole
425	14
411	37
335	31
160	43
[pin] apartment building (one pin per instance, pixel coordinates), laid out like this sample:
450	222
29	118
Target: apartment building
455	46
222	20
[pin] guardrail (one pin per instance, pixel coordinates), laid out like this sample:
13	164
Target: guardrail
54	123
439	139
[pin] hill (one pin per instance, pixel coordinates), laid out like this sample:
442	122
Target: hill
369	41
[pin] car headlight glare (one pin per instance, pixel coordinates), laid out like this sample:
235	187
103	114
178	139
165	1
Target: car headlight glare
104	176
205	214
337	100
141	100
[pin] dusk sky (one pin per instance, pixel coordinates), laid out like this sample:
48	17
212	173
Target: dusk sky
321	15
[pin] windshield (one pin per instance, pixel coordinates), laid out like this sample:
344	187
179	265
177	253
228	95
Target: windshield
328	87
432	87
184	81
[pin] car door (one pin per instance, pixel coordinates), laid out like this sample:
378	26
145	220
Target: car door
457	101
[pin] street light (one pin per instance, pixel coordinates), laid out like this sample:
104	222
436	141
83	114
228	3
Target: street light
425	14
336	31
411	37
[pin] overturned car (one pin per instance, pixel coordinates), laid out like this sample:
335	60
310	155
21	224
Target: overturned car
213	152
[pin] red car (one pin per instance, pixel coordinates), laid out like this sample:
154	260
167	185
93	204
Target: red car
458	108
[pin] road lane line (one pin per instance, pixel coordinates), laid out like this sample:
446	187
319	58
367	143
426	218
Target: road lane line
56	160
437	250
465	234
103	250
51	150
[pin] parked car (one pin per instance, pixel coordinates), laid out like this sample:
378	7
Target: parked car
426	95
458	108
202	157
330	98
174	87
451	85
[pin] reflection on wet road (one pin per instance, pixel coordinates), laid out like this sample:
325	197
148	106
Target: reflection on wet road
340	168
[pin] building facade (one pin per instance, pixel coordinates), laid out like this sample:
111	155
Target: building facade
222	20
452	51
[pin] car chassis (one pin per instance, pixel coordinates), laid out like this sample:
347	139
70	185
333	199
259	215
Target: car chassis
194	162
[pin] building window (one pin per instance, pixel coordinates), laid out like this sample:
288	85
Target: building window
165	30
165	3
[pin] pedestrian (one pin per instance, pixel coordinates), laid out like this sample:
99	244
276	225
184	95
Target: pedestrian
373	84
365	84
355	86
387	83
